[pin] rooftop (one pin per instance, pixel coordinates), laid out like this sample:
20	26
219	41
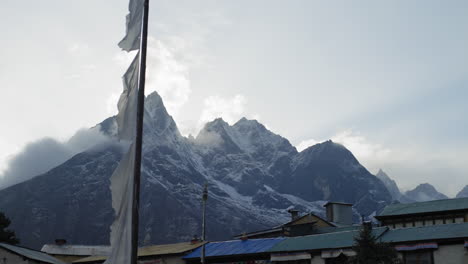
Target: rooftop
332	240
31	254
425	207
75	250
156	250
236	247
433	232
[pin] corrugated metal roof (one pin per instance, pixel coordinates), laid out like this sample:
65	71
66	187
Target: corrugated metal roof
331	229
425	207
343	239
76	250
433	232
156	250
31	254
236	247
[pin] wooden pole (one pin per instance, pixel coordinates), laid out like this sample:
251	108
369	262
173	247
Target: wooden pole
204	197
139	134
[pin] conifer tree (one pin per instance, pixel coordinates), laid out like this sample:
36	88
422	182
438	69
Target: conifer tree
370	251
6	235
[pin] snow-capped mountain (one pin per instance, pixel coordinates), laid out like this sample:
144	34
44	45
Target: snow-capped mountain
390	184
425	192
253	175
463	192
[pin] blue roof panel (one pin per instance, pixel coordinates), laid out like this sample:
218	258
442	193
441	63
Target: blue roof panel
236	247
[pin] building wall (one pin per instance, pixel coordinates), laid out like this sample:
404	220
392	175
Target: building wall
317	260
436	219
311	219
66	258
159	260
451	254
6	257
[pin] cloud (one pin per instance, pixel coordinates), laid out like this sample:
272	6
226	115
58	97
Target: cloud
44	154
230	109
168	74
305	144
360	146
78	49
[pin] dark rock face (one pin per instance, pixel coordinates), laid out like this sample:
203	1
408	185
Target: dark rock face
425	192
253	174
390	184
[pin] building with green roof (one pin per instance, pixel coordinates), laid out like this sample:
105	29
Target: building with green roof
447	211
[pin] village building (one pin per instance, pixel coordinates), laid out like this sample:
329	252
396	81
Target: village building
10	254
156	254
438	212
242	251
434	244
334	247
69	253
338	215
441	238
298	226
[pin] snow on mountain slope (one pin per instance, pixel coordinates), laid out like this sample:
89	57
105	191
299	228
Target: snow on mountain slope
254	176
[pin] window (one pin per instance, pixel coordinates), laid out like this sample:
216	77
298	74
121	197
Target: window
419	257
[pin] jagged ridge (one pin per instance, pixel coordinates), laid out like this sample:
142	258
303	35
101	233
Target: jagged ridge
253	176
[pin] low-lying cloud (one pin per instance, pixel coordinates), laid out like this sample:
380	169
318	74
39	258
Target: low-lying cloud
44	154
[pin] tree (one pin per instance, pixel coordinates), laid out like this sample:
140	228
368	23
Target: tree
369	251
6	235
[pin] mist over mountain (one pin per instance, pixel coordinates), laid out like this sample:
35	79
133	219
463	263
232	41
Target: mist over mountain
253	174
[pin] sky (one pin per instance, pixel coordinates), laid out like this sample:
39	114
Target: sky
387	79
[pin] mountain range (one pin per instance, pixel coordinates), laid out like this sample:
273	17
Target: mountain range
421	193
253	176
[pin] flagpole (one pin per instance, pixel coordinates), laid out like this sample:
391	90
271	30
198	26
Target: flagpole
139	135
204	198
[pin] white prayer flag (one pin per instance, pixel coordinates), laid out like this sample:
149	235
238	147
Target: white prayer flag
123	177
122	180
131	41
128	101
122	193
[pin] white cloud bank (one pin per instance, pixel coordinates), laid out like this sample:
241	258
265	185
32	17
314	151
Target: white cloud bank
364	150
42	155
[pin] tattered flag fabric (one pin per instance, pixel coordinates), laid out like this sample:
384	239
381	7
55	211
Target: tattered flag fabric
131	41
122	180
126	119
122	193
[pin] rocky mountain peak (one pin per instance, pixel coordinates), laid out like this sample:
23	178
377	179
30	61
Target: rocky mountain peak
328	151
158	124
390	184
425	192
463	193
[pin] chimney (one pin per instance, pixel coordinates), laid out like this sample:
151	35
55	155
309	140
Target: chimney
60	241
244	237
194	240
340	213
294	214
